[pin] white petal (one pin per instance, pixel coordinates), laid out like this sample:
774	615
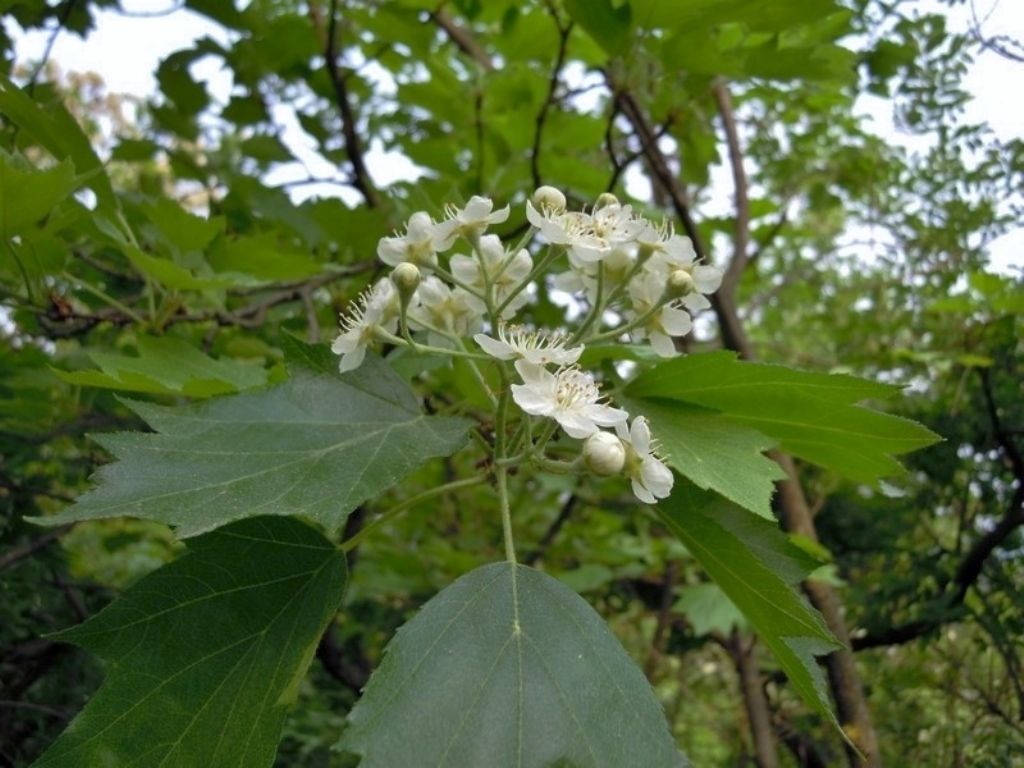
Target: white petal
465	268
695	302
532	400
676	322
536	375
518	267
534	216
622	431
656	477
662	344
352	360
605	415
640	436
392	250
420	227
445	233
499	215
706	278
576	424
492	250
642	493
494	347
346	342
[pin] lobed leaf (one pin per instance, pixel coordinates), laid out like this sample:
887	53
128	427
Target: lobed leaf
813	416
168	366
317	445
756	566
205	655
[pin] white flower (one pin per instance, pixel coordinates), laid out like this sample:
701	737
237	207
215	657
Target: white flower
706	278
502	270
374	308
646	291
419	245
569	396
537	347
444	308
608	229
604	454
650	478
472	220
669	251
557	226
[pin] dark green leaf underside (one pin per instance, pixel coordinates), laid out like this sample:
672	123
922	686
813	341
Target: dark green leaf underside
508	667
205	654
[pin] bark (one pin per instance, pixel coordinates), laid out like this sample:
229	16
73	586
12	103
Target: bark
755	701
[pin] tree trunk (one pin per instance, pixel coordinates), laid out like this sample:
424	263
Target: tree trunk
759	714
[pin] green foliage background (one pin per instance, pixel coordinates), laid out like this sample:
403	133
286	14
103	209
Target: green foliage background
147	263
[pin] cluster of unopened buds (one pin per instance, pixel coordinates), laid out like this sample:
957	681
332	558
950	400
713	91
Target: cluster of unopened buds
628	278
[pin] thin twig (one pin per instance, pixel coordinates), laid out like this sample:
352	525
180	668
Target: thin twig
564	30
29	548
463	40
353	145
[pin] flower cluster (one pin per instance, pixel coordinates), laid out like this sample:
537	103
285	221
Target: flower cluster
452	280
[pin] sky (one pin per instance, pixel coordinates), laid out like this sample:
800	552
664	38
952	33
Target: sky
126	50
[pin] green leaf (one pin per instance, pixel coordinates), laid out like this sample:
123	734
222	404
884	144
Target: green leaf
205	655
813	416
713	452
26	196
168	366
708	609
755	565
507	666
167	273
317	445
609	23
186	231
55	129
263	257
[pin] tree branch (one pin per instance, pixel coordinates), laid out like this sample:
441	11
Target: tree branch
564	30
556	525
970	568
741	234
29	548
733	335
353	146
462	39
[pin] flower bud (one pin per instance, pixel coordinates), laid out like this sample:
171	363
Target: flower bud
605	199
680	283
604	454
406	279
548	199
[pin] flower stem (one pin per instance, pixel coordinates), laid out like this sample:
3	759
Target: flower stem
501	475
596	309
428	349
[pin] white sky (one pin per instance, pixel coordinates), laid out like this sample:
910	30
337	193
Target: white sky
125	51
